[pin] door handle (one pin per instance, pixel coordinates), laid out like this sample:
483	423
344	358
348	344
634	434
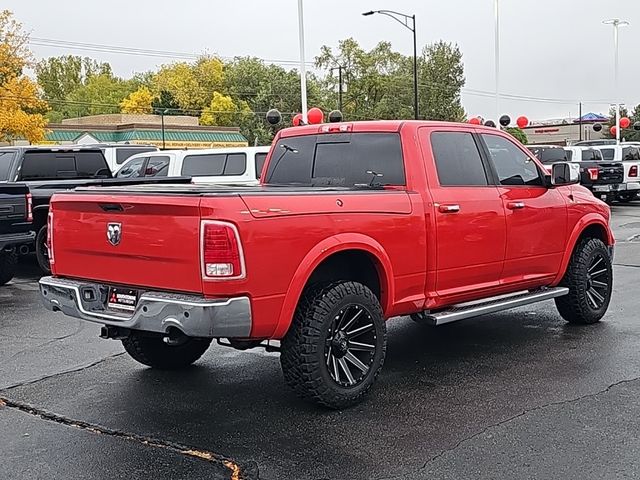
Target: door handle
449	208
515	205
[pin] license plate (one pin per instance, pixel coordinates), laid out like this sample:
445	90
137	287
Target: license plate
122	299
602	188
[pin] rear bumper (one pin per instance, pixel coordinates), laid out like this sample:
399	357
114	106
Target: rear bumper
614	187
12	239
155	312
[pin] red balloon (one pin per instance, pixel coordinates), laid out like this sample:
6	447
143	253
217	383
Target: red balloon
475	121
625	122
522	122
613	130
297	119
315	115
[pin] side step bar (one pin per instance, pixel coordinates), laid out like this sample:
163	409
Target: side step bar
497	304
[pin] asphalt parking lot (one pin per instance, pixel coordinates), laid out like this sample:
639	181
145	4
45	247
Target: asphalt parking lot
512	395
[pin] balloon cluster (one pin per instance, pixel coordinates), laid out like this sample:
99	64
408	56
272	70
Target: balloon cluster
315	116
505	121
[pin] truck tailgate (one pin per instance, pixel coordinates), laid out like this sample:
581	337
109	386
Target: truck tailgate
158	244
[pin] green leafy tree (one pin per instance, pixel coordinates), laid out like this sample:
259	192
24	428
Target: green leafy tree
624	133
519	134
441	75
101	94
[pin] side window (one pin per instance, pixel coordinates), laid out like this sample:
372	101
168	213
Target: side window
205	165
157	167
569	154
236	164
608	153
458	160
122	154
630	153
260	159
514	167
132	169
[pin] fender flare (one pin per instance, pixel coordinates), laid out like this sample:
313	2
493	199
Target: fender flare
322	251
582	224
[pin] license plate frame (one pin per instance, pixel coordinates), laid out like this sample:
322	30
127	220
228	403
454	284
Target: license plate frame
123	299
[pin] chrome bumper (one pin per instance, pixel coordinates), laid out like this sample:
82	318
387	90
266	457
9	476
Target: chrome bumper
155	312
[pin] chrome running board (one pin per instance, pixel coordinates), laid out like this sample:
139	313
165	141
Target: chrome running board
491	305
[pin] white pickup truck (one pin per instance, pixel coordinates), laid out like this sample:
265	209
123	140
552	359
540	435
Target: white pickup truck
237	165
629	155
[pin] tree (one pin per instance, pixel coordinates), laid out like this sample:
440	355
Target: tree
21	109
166	103
102	94
60	76
518	134
221	111
441	77
139	101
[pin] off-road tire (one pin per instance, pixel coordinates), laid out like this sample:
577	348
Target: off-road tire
303	359
41	249
8	266
154	352
577	307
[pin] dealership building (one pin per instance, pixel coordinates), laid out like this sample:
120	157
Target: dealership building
168	131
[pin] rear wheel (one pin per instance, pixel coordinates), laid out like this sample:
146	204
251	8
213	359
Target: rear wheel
336	345
627	196
589	278
8	265
154	352
42	252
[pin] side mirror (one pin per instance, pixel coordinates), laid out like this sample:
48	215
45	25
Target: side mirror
565	173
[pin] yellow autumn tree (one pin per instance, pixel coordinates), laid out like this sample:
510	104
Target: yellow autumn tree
21	109
138	102
222	111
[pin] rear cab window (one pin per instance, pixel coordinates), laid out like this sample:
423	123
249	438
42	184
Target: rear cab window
591	154
6	161
608	153
458	161
340	159
61	165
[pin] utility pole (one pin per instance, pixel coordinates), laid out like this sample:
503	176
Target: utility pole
617	23
303	69
580	121
339	68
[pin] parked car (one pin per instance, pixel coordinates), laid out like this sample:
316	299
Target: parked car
46	170
549	154
16	215
604	178
629	155
594	143
353	223
239	165
117	154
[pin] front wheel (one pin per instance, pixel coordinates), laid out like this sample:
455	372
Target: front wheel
154	352
589	278
336	344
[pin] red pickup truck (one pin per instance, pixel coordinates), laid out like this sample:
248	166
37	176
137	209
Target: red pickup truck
353	223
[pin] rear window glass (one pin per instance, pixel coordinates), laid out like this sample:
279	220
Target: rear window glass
260	159
342	159
608	153
236	164
630	153
550	155
122	154
458	160
591	155
6	158
45	165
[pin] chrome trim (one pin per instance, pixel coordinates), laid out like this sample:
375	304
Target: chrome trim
493	305
156	312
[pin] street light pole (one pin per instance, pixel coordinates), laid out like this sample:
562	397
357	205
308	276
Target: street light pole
496	12
617	23
339	68
303	69
409	22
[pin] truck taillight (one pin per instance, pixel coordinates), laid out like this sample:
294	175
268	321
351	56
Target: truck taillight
29	207
221	251
593	174
633	171
50	236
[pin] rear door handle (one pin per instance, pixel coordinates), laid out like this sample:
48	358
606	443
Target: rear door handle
449	208
515	205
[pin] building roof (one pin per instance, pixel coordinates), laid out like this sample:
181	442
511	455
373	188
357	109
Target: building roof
592	117
171	135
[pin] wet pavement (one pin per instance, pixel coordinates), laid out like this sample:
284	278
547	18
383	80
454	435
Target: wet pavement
513	395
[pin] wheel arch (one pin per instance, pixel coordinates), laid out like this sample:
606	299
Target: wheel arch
352	247
590	226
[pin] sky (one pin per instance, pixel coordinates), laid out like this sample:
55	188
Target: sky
556	51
